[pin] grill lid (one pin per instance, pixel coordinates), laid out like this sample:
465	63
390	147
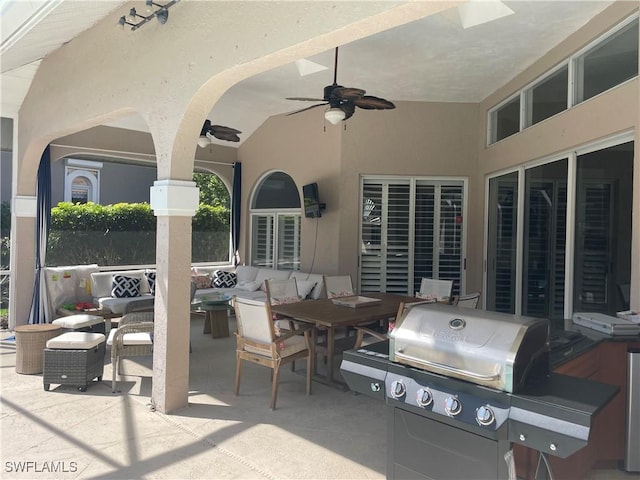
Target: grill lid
487	348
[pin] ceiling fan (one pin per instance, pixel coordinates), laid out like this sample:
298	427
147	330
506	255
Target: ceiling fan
218	131
343	101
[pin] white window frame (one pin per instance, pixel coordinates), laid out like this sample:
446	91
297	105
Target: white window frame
572	79
87	169
572	157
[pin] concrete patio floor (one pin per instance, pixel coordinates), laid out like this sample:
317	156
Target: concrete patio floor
65	433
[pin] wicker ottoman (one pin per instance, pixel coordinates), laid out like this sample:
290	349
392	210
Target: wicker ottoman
81	323
74	358
30	343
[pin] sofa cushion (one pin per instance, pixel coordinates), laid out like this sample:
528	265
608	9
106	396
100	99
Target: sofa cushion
102	282
246	273
305	287
267	273
318	289
116	305
224	279
248	286
124	286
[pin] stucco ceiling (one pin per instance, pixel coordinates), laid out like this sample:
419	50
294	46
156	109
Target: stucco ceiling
434	59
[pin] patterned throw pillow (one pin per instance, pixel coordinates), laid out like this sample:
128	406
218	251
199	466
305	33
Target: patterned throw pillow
223	279
151	280
201	281
123	286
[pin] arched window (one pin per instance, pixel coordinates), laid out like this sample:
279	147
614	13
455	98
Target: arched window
275	223
82	181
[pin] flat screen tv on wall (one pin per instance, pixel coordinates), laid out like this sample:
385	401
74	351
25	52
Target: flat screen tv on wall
312	205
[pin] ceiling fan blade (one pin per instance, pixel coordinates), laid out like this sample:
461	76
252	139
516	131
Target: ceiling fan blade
306	99
205	128
308	108
349	93
348	108
369	102
225	133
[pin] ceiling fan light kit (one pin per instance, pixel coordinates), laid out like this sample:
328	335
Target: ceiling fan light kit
343	101
162	14
334	115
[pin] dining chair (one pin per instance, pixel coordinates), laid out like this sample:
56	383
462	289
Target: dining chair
257	342
435	289
132	338
338	286
469	300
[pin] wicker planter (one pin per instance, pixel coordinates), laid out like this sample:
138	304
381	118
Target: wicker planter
30	343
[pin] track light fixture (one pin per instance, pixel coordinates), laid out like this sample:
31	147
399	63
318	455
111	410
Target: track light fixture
135	20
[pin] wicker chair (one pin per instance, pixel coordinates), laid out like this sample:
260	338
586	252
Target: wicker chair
257	342
132	338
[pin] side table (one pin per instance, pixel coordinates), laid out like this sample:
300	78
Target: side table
31	341
216	320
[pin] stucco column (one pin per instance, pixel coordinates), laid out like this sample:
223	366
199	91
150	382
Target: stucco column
174	203
23	258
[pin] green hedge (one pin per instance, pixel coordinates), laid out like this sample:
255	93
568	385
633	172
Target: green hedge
125	234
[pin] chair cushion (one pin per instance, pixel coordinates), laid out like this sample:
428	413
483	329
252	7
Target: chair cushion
125	287
224	279
75	341
138	338
78	321
288	347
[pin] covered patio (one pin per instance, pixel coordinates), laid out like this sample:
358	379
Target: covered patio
98	434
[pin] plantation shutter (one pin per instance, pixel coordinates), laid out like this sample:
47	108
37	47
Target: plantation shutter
410	228
262	240
288	244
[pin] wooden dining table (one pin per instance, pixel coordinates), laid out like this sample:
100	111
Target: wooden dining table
325	314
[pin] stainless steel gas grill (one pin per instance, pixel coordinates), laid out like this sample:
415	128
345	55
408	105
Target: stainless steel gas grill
462	385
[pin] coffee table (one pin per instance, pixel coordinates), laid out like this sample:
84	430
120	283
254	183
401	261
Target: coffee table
216	320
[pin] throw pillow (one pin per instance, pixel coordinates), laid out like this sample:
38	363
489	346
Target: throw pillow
124	287
201	281
344	293
151	280
224	279
248	286
305	287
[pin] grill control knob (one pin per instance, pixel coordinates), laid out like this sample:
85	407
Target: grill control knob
398	389
424	397
484	415
452	406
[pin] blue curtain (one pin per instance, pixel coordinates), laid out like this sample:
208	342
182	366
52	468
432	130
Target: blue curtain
235	211
39	302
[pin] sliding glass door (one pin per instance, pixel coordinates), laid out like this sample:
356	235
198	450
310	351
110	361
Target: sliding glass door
501	245
529	273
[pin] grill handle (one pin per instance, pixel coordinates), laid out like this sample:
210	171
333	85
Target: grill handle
450	369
